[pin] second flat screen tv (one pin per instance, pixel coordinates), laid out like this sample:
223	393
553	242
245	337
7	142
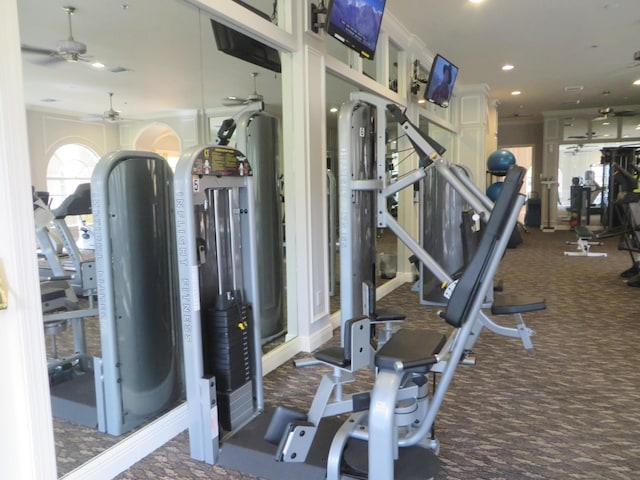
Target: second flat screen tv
442	78
356	23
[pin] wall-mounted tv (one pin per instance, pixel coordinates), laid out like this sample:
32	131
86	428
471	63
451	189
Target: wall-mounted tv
242	46
356	23
442	78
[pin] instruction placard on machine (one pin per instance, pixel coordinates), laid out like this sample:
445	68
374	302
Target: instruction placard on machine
221	162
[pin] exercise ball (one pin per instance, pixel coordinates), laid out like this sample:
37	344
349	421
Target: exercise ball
499	162
494	190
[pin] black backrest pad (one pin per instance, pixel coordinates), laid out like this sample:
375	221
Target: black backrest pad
473	278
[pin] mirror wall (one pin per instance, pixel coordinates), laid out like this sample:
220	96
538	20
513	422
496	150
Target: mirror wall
337	92
161	63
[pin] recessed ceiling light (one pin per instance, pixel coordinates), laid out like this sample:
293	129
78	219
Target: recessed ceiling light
333	109
637	82
476	1
97	65
516	92
507	67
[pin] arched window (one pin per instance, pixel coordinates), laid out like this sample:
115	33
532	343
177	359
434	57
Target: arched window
69	166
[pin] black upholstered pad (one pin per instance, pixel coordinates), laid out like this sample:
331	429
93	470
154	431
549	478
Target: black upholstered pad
50	293
414	348
384	315
333	356
510	303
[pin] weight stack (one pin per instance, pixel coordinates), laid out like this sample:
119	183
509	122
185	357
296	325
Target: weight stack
229	358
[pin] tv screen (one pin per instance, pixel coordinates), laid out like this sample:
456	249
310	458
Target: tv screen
239	45
356	23
442	78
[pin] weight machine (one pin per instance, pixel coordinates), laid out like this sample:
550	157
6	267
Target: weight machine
392	421
138	375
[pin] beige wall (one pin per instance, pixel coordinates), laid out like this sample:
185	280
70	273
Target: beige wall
49	131
521	134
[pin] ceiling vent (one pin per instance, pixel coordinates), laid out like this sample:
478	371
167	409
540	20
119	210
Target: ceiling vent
574	88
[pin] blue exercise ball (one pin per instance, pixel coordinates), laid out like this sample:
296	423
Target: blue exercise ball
494	190
499	162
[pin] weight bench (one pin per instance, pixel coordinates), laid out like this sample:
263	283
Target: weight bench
584	243
400	415
516	305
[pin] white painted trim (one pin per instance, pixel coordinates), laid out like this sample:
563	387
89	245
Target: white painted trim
236	16
134	448
28	449
400	279
280	355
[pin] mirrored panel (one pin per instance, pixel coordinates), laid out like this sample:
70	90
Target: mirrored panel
604	129
631	126
575	128
394	62
150	81
338	91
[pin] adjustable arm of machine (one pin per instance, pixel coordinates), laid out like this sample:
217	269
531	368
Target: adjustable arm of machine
228	126
426	147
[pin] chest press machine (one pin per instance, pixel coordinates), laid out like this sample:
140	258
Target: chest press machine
393	420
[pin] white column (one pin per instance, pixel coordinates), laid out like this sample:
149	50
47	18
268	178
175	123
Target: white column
304	131
549	176
25	413
472	105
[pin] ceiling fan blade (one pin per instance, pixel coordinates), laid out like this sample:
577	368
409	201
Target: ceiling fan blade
625	113
92	118
233	101
38	50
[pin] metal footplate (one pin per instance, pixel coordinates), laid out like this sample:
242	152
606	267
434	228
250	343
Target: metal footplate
296	442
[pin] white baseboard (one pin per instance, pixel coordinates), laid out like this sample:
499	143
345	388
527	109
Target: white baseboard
133	448
280	355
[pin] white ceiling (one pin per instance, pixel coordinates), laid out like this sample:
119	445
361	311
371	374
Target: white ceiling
553	44
166	44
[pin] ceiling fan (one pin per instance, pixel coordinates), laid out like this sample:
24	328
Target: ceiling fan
69	50
251	98
110	115
607	112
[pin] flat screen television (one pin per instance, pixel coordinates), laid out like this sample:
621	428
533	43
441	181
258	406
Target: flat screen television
442	78
356	23
242	46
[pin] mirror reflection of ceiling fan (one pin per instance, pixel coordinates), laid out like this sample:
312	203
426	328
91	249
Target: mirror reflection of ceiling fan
69	50
608	112
110	115
580	147
233	101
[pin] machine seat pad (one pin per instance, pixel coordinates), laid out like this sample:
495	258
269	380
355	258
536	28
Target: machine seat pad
584	232
50	293
384	315
413	348
509	304
333	356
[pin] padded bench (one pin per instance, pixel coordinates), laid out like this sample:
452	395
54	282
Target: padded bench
514	303
414	350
